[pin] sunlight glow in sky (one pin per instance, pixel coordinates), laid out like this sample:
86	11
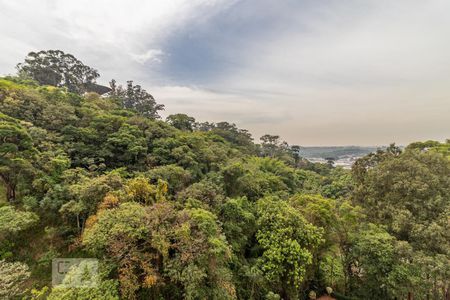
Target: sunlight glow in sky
326	72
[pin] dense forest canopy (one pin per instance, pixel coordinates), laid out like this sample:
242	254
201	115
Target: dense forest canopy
180	209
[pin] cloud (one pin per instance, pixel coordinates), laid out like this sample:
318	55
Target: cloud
367	73
208	105
315	72
152	55
112	36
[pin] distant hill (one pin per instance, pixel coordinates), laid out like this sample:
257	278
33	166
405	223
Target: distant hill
335	151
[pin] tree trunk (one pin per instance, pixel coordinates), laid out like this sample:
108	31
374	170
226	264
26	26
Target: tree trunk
332	273
284	293
410	296
10	193
78	222
435	288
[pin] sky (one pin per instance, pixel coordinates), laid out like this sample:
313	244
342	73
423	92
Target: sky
329	72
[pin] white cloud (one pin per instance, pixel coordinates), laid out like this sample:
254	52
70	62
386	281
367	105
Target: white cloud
116	37
152	55
356	75
334	72
207	105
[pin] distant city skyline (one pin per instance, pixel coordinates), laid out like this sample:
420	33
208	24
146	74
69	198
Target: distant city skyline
315	73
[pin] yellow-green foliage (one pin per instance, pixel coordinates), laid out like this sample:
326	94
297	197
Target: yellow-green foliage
188	210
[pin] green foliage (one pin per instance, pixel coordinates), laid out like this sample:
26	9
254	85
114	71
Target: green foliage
56	68
12	278
238	137
181	121
239	220
271	146
126	145
104	290
176	177
186	210
410	193
434	146
16	153
12	221
126	220
202	253
316	209
197	152
136	98
208	193
373	254
140	190
288	242
338	184
256	177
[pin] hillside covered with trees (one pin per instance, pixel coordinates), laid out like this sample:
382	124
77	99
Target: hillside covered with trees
180	209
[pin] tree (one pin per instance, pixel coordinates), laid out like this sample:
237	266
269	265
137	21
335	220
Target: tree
200	262
197	152
12	221
318	210
141	191
205	126
127	145
234	135
207	193
73	208
349	220
270	144
238	217
338	184
176	177
255	177
330	161
181	121
197	213
134	97
295	149
288	242
56	68
103	290
434	146
186	246
12	277
410	193
373	258
16	151
116	232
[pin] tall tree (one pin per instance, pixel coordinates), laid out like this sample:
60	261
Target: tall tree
288	241
136	98
270	144
13	221
409	192
295	150
181	121
16	151
54	67
12	278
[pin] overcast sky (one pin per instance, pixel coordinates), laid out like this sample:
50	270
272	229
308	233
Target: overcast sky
315	72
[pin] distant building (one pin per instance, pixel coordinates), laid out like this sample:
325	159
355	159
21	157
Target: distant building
97	88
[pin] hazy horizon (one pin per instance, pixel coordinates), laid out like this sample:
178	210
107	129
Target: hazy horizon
328	73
